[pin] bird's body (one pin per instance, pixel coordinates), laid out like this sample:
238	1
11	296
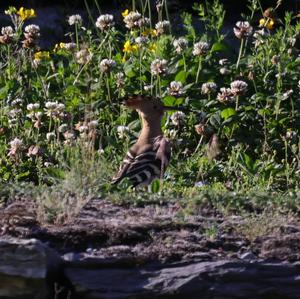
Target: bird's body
148	158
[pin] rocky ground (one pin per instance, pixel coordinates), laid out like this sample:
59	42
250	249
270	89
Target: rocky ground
155	251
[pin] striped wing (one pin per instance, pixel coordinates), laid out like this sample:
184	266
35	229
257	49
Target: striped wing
140	169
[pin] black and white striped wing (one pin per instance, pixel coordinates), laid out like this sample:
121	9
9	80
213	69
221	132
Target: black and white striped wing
127	161
141	169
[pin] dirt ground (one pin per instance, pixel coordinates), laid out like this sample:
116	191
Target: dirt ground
157	233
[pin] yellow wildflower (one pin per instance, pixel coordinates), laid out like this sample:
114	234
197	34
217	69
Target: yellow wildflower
41	55
25	14
11	10
152	48
149	31
59	46
125	13
268	23
129	48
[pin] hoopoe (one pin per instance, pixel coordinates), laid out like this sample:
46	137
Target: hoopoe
148	158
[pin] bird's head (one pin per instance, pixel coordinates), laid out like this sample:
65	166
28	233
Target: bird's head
147	106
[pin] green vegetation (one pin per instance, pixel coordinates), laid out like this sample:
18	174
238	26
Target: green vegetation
63	129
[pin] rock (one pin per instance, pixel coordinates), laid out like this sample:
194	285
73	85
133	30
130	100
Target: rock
248	256
24	266
213	279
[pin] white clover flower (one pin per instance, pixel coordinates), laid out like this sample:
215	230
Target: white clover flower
69	135
141	40
287	94
16	145
34	150
208	88
48	164
75	19
120	80
105	22
50	136
17	102
106	65
242	29
225	95
224	71
133	20
63	128
223	62
200	49
238	87
32	31
70	46
175	89
162	27
7	31
14	113
54	110
159	67
180	44
33	106
122	131
83	128
148	87
83	56
177	118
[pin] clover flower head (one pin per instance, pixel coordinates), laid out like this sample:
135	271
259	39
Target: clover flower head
33	106
242	29
105	22
208	88
177	118
83	56
50	136
162	27
122	131
148	87
180	44
225	95
8	31
223	62
70	46
175	89
158	66
63	128
33	151
75	20
141	40
16	145
133	20
238	87
54	110
200	49
120	80
17	102
287	94
32	31
106	65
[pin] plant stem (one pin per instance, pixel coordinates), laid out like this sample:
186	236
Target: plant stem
240	53
199	69
76	36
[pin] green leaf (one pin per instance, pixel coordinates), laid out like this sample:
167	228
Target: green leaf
228	112
155	186
220	47
181	76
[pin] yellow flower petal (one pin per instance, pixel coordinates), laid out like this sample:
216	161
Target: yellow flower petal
125	13
25	14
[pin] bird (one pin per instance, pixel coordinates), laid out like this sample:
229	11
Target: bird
148	158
